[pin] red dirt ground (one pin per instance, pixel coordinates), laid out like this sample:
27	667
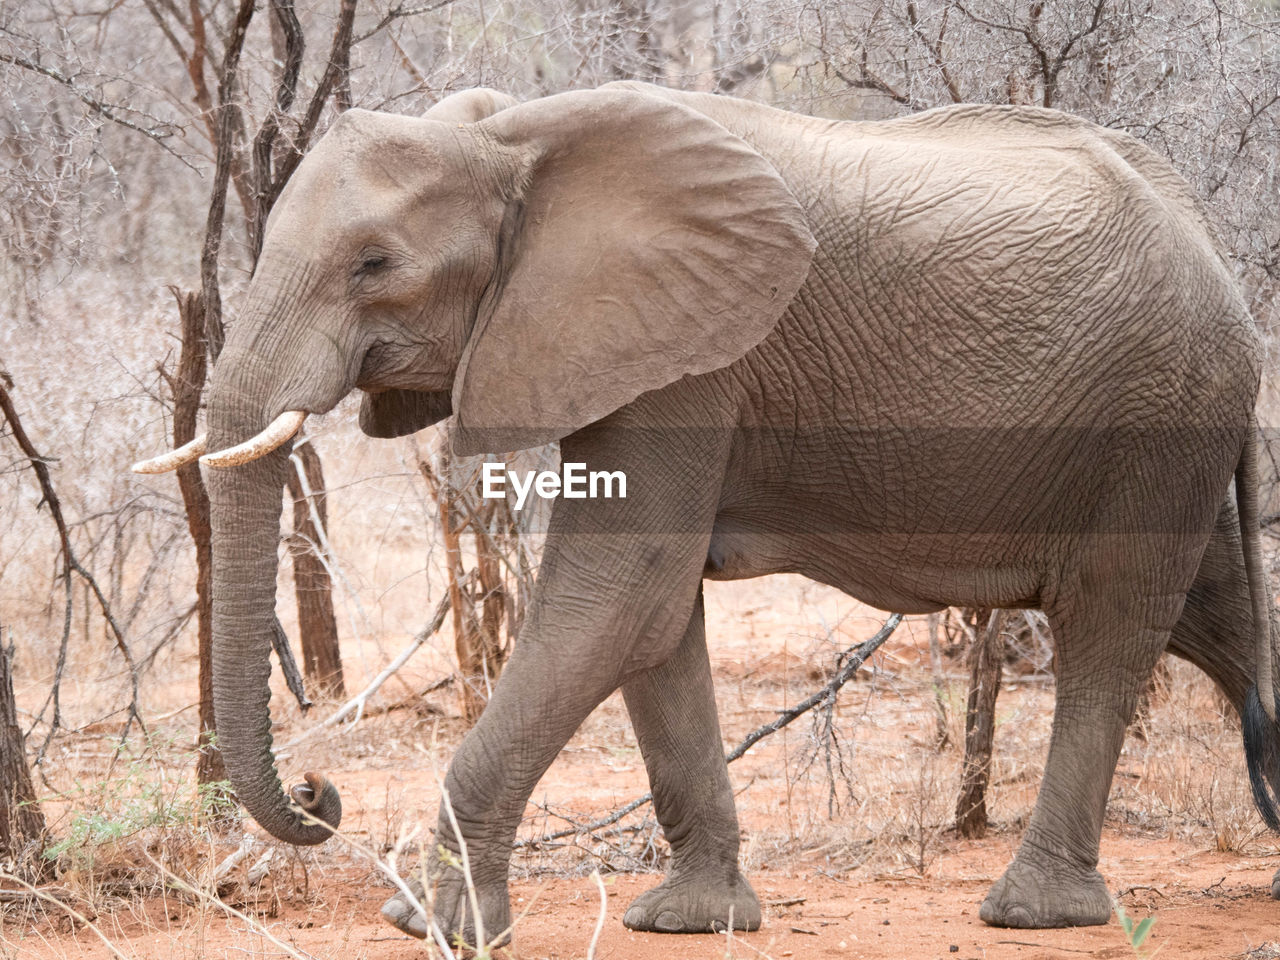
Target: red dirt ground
1209	905
848	881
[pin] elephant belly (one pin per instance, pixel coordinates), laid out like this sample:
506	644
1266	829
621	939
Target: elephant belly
887	572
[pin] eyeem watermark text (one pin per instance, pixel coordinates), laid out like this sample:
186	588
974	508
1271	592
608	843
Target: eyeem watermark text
574	482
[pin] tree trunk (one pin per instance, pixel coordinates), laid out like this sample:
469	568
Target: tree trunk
493	596
476	670
188	386
21	820
313	587
986	660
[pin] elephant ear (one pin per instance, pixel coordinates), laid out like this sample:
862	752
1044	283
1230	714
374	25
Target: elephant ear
652	244
398	412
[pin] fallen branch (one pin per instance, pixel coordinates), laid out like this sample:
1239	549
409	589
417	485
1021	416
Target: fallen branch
356	704
851	660
223	871
25	897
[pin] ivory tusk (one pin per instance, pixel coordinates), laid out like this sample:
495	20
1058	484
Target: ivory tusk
173	459
278	431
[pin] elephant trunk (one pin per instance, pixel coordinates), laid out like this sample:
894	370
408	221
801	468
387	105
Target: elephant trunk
245	506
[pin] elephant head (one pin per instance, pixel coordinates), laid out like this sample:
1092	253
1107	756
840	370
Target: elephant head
529	269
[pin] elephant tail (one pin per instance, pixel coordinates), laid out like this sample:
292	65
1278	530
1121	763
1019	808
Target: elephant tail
1262	757
1258	719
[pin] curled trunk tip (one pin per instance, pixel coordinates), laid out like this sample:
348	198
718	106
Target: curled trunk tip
319	798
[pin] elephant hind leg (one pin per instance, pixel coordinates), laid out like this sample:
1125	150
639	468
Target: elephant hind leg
1109	639
673	711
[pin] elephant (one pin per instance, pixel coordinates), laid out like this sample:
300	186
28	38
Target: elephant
755	315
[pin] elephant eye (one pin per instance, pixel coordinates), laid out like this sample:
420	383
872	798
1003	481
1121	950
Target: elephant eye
370	263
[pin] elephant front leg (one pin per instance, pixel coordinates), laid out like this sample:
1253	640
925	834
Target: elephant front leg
673	711
588	631
616	588
547	689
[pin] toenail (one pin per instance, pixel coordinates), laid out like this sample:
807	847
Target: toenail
669	922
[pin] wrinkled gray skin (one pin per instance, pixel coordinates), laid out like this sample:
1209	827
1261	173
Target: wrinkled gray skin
981	356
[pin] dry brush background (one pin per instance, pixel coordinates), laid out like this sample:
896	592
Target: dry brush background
142	143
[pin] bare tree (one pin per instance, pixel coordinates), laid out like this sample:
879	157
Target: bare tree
70	570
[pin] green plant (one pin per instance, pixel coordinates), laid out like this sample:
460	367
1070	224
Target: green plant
1135	933
134	801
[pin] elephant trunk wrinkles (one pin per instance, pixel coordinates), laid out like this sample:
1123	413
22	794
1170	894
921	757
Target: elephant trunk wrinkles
245	503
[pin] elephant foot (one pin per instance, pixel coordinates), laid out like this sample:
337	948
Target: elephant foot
403	915
1042	891
1275	886
695	905
451	909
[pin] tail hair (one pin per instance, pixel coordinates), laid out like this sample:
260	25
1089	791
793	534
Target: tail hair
1262	756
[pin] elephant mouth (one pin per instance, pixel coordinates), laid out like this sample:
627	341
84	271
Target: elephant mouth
401	364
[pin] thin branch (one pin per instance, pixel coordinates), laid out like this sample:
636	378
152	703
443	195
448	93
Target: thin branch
1099	8
153	7
289	666
70	564
934	48
356	704
870	81
107	111
265	190
225	116
399	11
335	73
853	659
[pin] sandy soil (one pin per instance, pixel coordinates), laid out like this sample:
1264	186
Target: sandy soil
1209	905
859	865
